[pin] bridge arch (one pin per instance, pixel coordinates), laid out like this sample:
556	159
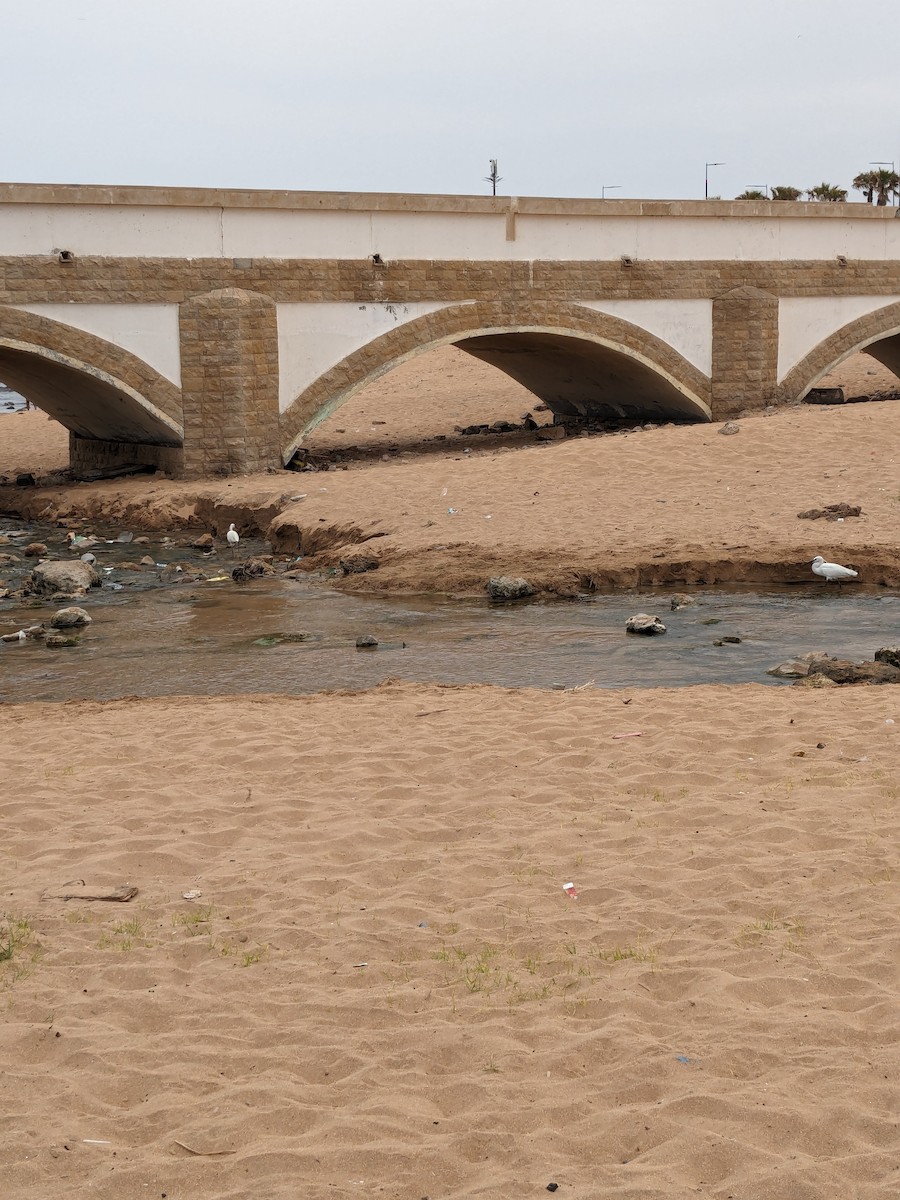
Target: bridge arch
92	387
576	359
877	333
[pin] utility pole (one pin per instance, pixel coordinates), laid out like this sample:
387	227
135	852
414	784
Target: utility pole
493	179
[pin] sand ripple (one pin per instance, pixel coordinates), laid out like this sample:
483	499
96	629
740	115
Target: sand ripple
715	1014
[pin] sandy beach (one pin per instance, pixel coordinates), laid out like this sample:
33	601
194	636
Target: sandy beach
380	986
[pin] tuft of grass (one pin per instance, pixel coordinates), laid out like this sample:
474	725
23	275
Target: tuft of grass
18	948
133	927
194	920
123	936
249	957
17	933
76	916
773	928
629	953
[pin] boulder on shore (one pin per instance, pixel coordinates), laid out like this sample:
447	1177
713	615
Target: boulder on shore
839	670
889	655
61	578
358	564
506	587
831	512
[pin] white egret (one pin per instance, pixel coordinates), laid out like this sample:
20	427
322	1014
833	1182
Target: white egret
830	571
233	538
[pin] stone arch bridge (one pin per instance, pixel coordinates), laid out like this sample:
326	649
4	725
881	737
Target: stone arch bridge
208	331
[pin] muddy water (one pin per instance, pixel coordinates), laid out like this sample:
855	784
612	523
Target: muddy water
218	638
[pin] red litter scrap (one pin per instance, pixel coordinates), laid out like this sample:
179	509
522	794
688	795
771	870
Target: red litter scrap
571	890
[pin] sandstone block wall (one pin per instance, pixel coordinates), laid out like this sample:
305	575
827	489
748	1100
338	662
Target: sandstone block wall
100	280
229	383
744	352
228	329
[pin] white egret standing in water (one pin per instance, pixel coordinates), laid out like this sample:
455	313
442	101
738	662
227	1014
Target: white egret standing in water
233	538
830	571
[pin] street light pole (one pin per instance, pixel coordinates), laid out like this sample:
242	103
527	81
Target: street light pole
706	179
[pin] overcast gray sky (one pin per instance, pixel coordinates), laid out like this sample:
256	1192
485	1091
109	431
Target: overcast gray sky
417	95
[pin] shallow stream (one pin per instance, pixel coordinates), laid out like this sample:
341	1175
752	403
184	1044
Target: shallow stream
219	638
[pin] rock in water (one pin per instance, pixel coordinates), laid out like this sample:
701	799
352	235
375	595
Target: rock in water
366	642
505	587
180	573
70	618
645	624
35	550
203	542
33	633
57	640
680	600
61	578
794	668
253	568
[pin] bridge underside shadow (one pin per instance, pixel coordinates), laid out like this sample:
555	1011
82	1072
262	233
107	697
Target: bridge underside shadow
887	352
580	378
89	404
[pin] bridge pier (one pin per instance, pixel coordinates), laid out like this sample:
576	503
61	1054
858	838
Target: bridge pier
744	351
229	382
93	454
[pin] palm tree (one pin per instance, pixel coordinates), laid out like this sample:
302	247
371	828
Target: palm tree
827	191
887	184
786	193
881	184
752	194
867	183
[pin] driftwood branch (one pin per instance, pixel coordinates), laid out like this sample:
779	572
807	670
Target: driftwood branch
77	889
